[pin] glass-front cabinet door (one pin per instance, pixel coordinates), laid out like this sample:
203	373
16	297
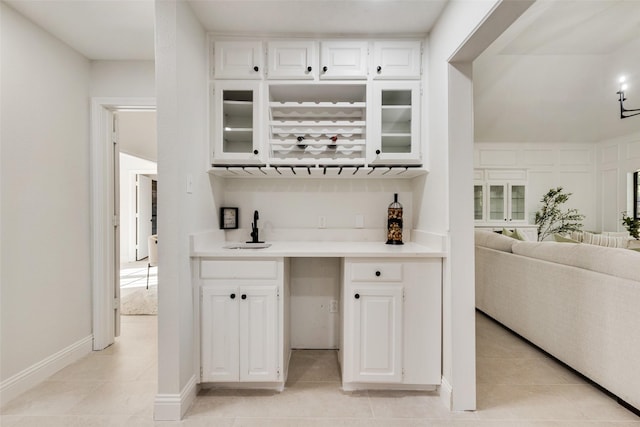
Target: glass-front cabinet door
478	202
506	202
236	125
395	124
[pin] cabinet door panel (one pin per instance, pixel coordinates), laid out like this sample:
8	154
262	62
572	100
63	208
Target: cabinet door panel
219	333
377	333
291	60
238	60
258	333
396	60
343	60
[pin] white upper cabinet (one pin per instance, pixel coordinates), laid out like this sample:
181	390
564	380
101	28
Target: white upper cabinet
396	60
343	60
395	124
293	60
238	60
236	122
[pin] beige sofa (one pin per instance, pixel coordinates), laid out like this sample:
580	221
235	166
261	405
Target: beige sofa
578	302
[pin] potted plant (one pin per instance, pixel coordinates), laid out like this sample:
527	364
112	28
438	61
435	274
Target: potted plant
550	219
632	225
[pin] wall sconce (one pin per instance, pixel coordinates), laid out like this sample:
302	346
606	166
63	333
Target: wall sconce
624	113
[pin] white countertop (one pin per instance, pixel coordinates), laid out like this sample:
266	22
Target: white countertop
318	249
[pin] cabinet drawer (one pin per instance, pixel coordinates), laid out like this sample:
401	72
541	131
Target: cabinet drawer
240	269
376	272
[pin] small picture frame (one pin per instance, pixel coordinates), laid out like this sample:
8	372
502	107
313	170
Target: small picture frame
228	218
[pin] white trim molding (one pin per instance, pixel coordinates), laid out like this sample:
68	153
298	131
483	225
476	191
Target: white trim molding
102	213
172	407
40	371
446	394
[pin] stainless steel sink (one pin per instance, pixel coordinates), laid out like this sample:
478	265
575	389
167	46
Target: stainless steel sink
247	246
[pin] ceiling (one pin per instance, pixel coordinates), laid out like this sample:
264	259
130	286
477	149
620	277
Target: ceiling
549	77
553	75
124	29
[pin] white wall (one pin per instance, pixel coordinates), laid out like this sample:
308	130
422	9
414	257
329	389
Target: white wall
46	292
181	74
137	134
123	79
616	159
548	165
447	199
129	167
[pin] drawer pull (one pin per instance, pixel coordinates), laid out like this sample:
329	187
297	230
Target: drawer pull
357	296
378	273
232	296
244	296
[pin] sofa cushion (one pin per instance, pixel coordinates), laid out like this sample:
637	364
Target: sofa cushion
613	261
492	240
561	239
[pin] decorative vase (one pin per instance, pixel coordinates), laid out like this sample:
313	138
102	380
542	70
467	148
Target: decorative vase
394	222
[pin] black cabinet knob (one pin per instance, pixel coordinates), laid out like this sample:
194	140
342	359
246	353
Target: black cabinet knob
357	296
244	296
377	151
378	274
255	151
256	68
309	69
325	68
379	69
232	296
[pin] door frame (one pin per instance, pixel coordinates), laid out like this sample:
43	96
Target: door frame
103	221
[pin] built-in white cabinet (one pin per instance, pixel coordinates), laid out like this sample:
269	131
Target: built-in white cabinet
236	132
500	196
397	60
241	312
321	104
391	323
311	124
395	125
294	60
343	60
238	60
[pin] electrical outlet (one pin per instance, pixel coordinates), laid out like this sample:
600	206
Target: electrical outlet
333	306
322	221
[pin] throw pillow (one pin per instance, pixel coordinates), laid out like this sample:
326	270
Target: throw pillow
508	233
560	238
520	235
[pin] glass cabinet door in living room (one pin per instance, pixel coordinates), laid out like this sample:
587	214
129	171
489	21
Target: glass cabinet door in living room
506	202
478	202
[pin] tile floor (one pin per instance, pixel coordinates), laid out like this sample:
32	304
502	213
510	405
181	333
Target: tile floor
518	385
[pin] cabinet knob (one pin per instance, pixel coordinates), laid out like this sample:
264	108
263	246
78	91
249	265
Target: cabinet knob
232	296
309	69
256	69
324	69
357	296
377	151
379	69
255	151
378	273
244	296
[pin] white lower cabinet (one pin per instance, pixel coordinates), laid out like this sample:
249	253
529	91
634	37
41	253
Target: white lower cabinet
242	330
392	322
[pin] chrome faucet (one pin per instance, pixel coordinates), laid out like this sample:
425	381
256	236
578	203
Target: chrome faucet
254	229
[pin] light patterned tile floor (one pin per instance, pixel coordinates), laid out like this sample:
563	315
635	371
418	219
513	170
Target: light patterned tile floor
518	386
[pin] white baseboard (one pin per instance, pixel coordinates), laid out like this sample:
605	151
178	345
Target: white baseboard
38	372
172	407
446	394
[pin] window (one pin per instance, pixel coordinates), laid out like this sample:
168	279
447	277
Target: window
636	195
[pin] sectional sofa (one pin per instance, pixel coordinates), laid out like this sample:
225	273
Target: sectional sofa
578	302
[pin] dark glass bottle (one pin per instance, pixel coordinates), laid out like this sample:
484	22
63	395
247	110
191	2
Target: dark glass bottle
394	222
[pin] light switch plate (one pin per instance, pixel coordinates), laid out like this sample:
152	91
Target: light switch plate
359	221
